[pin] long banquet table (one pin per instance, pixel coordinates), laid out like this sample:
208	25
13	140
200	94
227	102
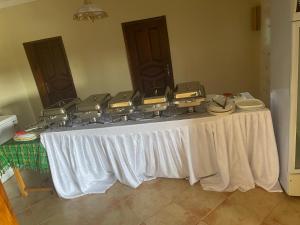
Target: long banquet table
224	153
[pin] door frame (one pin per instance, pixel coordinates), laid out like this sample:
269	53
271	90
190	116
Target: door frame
126	24
294	98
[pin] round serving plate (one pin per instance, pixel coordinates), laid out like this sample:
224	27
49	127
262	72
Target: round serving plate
214	105
220	113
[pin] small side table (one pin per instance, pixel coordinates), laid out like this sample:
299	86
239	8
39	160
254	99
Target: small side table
24	155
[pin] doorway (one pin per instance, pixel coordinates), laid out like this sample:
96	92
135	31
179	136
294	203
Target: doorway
51	70
148	52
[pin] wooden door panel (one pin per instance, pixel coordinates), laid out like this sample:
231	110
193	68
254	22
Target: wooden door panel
149	55
60	65
50	68
155	43
143	47
44	61
152	70
150	86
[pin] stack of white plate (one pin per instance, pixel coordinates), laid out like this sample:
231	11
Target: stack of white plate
250	104
26	137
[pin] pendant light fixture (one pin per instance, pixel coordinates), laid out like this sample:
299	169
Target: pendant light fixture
89	11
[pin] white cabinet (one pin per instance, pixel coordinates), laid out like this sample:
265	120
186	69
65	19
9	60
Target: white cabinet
285	90
7	128
7	131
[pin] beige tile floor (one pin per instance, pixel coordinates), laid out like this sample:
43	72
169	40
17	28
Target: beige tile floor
159	202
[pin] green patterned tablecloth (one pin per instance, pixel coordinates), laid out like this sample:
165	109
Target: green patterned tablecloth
24	155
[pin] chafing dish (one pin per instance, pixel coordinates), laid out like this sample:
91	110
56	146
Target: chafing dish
37	127
60	108
91	109
155	104
123	104
59	114
189	95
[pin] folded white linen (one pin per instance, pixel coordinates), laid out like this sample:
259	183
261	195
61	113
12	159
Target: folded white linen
227	152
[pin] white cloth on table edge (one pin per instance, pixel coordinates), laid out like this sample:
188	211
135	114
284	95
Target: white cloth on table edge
236	151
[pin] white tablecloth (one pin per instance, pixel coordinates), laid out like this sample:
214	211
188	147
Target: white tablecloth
225	153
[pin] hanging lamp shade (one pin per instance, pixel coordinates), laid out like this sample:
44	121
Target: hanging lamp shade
89	11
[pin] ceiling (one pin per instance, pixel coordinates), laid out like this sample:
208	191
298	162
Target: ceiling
8	3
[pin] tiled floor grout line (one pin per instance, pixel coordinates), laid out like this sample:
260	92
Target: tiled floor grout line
32	204
171	202
201	219
172	196
271	212
212	210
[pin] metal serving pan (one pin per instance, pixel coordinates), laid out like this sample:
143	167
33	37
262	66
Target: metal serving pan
155	103
61	108
91	109
189	94
122	100
96	102
57	118
157	99
89	116
123	104
186	103
189	90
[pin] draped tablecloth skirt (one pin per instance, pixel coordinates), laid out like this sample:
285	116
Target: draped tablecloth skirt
225	153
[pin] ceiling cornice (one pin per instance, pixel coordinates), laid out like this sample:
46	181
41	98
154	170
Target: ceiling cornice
9	3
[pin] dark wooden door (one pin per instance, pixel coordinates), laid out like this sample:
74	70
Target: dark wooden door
149	55
51	70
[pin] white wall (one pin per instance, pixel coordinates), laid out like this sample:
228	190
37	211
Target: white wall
13	94
210	41
265	64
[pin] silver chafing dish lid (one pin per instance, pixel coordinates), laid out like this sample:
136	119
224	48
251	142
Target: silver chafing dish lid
55	118
124	103
157	99
122	100
155	103
189	94
189	90
60	108
94	103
